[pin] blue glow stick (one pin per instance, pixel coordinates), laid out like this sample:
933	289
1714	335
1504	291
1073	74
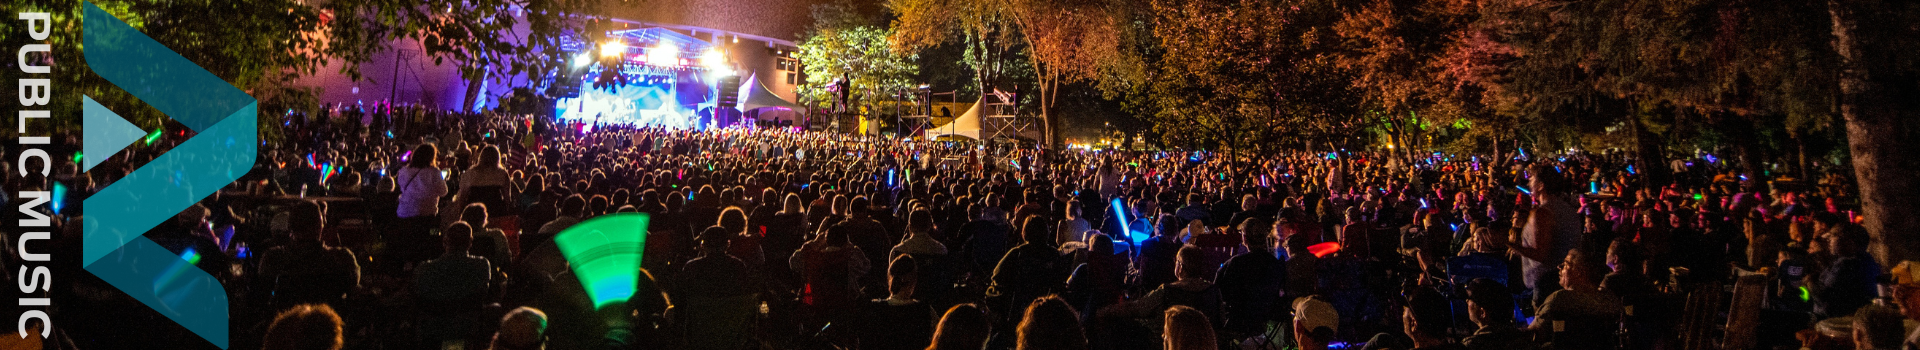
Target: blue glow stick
1523	189
1119	213
59	197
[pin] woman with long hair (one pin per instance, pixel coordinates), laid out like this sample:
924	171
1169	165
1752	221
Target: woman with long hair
421	184
746	244
964	327
1187	329
1050	324
786	230
488	183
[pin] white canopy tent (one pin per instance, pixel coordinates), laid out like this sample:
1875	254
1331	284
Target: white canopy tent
754	95
966	124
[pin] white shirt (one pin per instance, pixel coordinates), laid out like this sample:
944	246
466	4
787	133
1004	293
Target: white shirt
918	244
420	191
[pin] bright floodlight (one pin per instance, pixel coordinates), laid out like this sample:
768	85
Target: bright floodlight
605	254
613	49
663	55
713	59
582	60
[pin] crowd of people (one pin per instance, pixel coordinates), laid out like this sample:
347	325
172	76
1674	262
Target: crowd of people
443	236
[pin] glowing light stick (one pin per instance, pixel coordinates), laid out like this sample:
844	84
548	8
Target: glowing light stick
59	197
76	157
1523	189
191	256
605	254
1119	212
326	171
171	275
154	136
1322	250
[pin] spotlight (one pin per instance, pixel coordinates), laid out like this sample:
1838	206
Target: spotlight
663	55
613	49
713	59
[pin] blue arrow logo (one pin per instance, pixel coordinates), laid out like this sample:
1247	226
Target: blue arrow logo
224	148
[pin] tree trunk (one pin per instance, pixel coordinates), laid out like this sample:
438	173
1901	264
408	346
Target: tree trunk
1647	149
1876	101
473	91
1049	88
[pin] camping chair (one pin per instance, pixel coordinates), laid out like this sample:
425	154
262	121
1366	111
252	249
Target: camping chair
1743	316
1217	247
716	322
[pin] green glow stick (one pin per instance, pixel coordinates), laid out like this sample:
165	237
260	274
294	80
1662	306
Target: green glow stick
605	254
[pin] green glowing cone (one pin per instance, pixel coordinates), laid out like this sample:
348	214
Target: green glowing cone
605	255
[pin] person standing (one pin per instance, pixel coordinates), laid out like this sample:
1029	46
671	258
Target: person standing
421	185
1552	228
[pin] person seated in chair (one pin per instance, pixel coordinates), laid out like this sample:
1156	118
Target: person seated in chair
1490	307
1580	316
898	321
307	270
452	289
714	273
714	300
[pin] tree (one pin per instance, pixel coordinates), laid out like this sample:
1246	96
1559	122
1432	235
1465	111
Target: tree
1875	40
254	46
1396	51
1745	67
1069	41
1249	75
984	28
479	36
842	45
